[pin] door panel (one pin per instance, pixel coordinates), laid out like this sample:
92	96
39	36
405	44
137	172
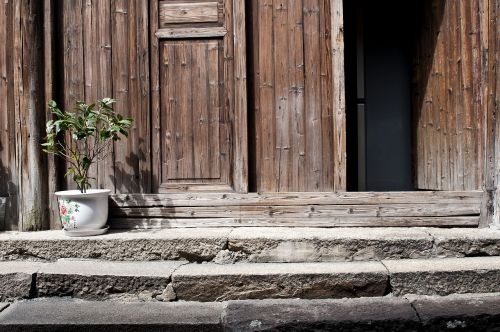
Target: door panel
447	99
199	110
294	86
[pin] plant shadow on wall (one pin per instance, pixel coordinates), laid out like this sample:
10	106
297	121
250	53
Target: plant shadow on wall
130	179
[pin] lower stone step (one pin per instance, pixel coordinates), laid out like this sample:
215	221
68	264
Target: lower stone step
472	312
174	280
260	245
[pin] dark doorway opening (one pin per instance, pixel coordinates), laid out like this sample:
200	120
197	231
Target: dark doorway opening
379	46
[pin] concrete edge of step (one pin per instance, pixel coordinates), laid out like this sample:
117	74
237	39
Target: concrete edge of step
471	312
229	245
181	281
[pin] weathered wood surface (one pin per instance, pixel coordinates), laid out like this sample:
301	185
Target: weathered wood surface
106	54
294	86
338	96
449	78
182	33
297	209
201	103
8	175
3	208
30	162
159	223
491	89
259	199
195	12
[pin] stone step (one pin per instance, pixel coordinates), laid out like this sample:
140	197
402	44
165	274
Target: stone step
209	282
471	312
262	245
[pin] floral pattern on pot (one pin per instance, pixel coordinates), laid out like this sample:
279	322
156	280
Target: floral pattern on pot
67	210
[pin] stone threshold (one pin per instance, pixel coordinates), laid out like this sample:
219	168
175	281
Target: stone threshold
209	282
247	244
471	312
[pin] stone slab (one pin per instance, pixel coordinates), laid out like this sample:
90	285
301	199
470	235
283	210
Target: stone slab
365	314
444	276
91	279
464	312
272	244
195	244
461	242
16	279
212	282
74	315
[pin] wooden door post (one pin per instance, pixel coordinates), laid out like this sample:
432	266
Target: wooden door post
29	109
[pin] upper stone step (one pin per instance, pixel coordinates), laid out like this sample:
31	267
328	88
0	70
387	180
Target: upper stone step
174	280
247	244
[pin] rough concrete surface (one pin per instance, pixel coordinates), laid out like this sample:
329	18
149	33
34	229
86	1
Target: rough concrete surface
464	312
71	315
269	244
197	244
255	244
444	276
104	280
212	282
461	242
365	314
474	312
16	280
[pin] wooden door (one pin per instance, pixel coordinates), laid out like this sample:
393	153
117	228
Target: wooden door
199	96
448	107
298	75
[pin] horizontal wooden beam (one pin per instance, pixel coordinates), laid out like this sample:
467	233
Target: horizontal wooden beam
159	223
345	209
284	199
196	12
179	33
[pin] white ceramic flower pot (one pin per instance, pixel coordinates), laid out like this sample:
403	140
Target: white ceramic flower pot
83	214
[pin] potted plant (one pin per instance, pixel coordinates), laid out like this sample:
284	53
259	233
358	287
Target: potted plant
92	129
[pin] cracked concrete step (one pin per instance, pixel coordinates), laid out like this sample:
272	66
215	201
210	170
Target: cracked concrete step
471	312
263	245
174	280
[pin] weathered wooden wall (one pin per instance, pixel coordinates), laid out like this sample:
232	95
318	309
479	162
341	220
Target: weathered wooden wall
23	167
105	45
449	79
293	92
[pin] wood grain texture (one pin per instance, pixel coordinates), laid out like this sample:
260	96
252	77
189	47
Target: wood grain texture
200	105
8	175
30	162
195	12
448	102
157	223
294	88
182	33
106	57
367	209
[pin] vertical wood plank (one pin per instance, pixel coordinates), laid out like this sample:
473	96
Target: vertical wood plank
338	107
30	113
240	98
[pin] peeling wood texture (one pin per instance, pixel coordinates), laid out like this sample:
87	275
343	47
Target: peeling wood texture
448	95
